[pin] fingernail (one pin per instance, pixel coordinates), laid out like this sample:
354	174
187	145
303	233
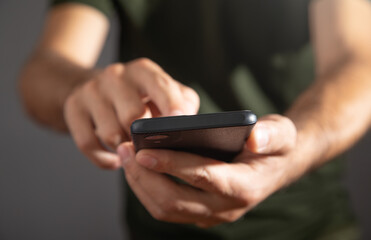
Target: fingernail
147	161
262	139
124	154
176	113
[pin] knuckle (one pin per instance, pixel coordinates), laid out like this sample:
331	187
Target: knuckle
91	88
165	165
165	210
84	144
159	214
170	207
202	176
244	200
143	62
163	83
166	207
116	69
241	196
110	138
247	198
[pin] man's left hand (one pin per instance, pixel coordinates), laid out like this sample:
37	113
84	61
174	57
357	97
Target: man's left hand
218	192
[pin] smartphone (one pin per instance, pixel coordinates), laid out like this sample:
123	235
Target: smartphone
216	135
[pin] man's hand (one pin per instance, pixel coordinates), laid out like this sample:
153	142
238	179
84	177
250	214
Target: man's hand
99	112
61	88
217	192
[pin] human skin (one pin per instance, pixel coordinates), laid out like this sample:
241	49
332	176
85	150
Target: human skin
61	89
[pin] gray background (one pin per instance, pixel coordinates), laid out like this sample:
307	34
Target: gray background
48	190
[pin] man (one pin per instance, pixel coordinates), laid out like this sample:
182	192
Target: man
236	55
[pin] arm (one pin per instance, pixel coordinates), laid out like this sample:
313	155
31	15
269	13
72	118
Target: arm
336	110
324	121
61	88
63	59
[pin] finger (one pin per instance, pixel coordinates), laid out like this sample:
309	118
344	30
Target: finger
107	127
139	192
201	172
210	175
128	106
82	131
155	112
178	202
124	95
152	81
272	134
162	197
192	103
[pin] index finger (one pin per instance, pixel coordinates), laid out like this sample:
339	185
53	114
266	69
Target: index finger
164	91
201	172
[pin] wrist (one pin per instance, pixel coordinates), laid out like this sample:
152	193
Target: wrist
309	151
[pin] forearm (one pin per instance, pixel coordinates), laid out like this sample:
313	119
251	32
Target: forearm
333	113
64	58
45	82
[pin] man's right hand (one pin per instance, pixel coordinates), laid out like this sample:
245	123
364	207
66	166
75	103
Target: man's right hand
99	112
61	89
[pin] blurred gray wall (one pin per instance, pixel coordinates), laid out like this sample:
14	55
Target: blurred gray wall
48	190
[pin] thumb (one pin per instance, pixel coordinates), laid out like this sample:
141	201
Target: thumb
272	134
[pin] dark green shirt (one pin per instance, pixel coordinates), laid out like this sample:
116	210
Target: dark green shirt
252	54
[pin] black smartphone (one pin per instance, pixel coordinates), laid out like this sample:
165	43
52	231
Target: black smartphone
217	135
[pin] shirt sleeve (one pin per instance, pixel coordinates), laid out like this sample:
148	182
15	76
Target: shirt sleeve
104	6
